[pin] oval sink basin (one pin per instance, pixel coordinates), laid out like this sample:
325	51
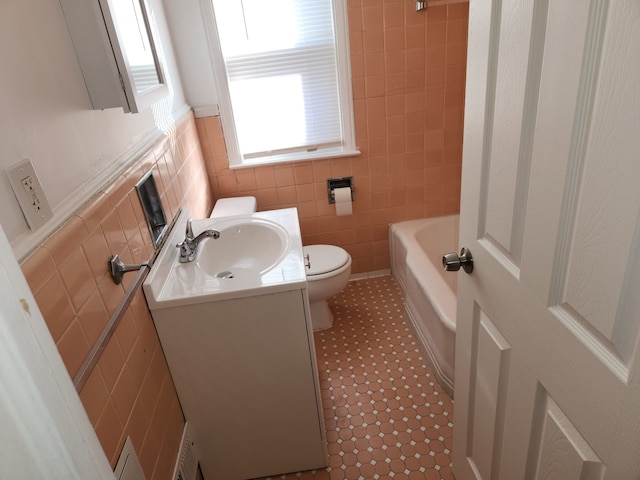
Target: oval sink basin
245	247
256	254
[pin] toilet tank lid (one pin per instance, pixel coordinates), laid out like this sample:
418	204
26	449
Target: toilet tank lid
226	207
324	258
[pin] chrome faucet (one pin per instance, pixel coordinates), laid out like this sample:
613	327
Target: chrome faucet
189	246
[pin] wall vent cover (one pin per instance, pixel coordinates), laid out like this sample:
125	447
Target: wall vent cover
187	465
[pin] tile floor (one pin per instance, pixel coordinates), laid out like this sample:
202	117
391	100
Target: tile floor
385	414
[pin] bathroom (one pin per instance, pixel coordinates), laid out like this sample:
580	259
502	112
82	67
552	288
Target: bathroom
408	74
408	83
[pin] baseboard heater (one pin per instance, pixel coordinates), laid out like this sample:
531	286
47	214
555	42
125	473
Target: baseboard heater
187	463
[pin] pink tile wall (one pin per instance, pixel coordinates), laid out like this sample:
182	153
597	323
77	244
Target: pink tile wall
130	392
408	71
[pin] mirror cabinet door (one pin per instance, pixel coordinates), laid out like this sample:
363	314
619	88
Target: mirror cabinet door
118	51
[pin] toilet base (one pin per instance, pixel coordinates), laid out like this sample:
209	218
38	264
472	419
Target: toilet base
321	316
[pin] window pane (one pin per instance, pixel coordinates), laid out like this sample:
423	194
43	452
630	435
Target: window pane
135	38
269	128
257	26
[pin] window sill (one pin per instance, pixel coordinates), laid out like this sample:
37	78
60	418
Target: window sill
296	157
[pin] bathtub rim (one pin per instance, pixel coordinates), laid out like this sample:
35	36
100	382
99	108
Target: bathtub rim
445	308
406	230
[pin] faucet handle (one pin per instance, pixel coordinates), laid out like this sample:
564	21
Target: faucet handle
189	232
187	254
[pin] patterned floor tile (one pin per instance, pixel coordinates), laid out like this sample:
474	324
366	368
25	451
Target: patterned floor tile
385	414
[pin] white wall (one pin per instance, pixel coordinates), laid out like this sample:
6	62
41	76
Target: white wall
46	115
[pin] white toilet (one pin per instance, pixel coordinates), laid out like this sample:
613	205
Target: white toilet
328	270
328	267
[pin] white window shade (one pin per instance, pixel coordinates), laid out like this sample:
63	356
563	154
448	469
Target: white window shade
283	76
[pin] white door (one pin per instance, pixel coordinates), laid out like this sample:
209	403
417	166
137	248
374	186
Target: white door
44	430
547	377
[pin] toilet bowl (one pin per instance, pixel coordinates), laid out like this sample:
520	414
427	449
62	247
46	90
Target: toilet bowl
328	270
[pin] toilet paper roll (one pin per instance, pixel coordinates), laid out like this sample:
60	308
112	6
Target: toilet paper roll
343	201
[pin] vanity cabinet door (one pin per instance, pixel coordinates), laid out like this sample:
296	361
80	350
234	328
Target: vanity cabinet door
244	372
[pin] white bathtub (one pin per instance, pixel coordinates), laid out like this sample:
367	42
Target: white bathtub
417	247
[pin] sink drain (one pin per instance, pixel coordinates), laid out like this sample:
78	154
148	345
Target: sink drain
225	274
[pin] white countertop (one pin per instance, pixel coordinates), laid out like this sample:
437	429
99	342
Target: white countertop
171	283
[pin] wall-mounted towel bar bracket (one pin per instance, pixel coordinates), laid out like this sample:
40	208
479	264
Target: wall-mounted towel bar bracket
118	269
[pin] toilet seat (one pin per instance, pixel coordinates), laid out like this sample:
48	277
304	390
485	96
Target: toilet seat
324	259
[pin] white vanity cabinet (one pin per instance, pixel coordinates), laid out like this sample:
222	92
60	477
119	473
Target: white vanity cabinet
245	372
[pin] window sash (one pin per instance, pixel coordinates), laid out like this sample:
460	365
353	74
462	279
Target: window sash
319	120
296	92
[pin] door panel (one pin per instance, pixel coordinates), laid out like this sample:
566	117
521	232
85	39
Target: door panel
508	170
570	62
558	450
488	386
547	381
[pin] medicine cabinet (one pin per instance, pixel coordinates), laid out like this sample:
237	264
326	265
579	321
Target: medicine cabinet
116	45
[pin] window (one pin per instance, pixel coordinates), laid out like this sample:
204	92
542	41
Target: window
286	94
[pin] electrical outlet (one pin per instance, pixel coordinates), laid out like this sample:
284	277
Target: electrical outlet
27	184
29	193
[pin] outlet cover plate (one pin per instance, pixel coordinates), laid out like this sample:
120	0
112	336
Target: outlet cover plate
28	191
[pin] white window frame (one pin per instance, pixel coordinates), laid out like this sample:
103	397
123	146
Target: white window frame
343	60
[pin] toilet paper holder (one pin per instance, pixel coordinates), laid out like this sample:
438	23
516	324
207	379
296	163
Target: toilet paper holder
333	183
